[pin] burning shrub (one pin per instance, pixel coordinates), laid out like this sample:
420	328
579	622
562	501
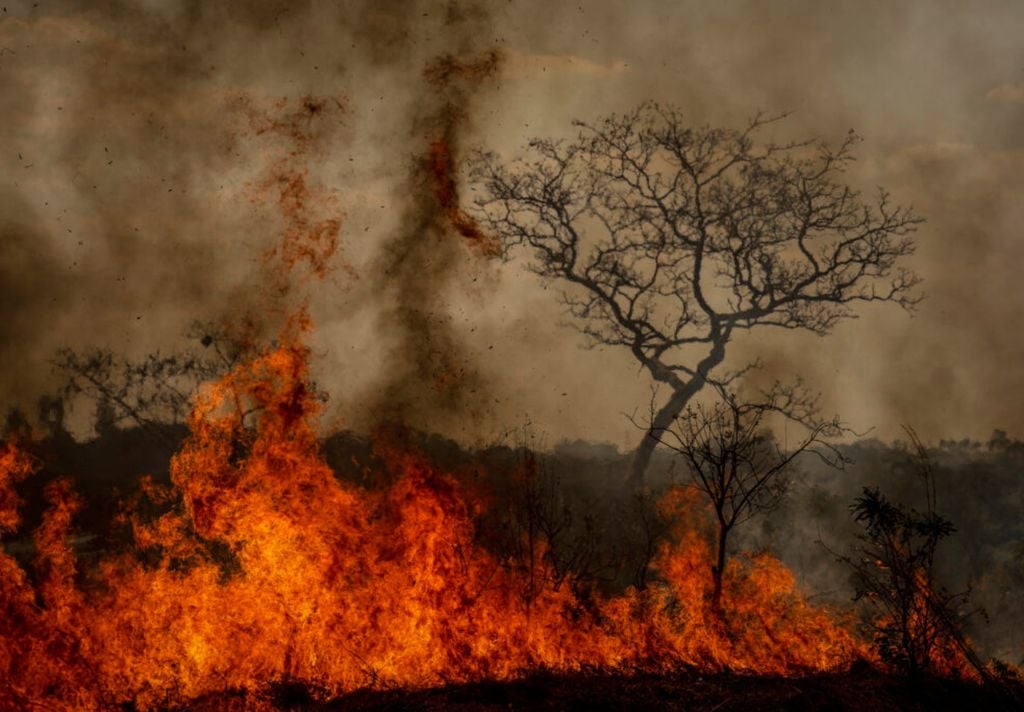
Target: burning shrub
917	623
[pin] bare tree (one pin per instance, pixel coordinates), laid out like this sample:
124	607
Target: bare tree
669	240
153	390
735	462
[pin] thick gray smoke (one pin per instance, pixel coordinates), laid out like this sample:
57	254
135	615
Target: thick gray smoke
141	190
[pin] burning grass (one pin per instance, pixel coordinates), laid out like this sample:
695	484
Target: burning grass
265	567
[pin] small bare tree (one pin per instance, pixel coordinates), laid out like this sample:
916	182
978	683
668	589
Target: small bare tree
734	461
671	239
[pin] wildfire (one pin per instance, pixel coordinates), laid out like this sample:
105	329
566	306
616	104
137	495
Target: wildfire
268	567
262	565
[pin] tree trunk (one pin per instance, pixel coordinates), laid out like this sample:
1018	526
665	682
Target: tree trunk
718	571
662	422
681	395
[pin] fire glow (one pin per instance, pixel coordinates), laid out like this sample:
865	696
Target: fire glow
341	587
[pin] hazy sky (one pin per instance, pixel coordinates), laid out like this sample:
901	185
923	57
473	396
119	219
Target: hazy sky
130	156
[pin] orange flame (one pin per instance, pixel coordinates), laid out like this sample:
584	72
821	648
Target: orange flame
270	568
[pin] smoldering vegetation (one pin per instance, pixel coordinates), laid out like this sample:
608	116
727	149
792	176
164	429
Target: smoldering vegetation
978	488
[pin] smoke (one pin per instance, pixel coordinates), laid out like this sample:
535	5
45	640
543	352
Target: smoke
103	219
136	139
162	151
931	88
127	213
431	378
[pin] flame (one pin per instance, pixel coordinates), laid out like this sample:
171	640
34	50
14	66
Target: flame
767	627
454	78
267	567
930	640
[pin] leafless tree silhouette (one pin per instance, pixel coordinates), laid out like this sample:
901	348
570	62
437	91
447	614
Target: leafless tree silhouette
735	462
153	390
669	240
